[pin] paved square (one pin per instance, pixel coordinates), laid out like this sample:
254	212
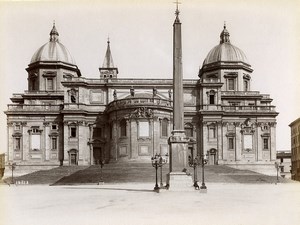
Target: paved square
130	204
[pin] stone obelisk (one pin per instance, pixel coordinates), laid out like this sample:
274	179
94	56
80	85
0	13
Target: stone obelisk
178	179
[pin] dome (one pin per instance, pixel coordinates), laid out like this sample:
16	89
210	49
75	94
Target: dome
225	51
53	51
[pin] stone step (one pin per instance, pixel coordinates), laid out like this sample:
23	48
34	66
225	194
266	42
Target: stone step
137	172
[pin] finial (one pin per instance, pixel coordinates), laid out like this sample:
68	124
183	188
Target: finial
177	10
224	24
108	39
53	23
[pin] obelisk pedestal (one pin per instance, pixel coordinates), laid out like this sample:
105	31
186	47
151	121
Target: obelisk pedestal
179	178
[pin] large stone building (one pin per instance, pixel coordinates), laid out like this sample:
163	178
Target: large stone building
66	119
295	143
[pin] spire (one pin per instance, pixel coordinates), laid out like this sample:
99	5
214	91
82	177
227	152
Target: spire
177	20
53	33
108	61
224	36
108	70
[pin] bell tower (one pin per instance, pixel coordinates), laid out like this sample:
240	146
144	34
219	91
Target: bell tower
108	70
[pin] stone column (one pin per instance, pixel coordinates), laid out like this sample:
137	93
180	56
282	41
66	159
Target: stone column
66	146
47	140
133	138
238	142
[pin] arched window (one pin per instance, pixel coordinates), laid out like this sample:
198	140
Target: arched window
123	128
189	130
164	127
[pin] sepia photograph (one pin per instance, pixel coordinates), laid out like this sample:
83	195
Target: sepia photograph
139	112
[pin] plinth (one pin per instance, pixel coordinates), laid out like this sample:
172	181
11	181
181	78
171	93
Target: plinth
179	179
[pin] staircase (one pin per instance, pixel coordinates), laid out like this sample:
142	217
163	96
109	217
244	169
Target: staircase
130	172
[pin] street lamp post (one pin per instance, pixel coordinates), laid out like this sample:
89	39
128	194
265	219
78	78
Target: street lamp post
194	163
102	162
12	166
158	161
277	168
203	162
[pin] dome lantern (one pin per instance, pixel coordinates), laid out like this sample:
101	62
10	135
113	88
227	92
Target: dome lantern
54	34
224	36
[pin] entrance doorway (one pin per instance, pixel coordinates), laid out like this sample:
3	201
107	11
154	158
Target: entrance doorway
73	157
98	155
212	157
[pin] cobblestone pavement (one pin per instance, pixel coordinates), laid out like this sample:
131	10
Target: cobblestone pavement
136	203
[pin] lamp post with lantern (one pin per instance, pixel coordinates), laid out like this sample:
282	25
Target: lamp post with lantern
12	167
158	161
194	162
203	187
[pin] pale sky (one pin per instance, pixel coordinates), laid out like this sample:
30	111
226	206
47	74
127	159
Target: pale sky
141	42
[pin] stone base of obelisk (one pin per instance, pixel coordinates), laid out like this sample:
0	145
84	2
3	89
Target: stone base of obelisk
180	181
179	178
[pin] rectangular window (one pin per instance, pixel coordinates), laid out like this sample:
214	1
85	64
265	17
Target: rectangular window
73	132
54	127
231	84
246	87
211	99
17	146
49	84
35	142
54	143
212	133
123	128
266	143
230	143
248	143
17	127
164	128
143	129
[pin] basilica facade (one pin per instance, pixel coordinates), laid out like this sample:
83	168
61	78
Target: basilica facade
66	119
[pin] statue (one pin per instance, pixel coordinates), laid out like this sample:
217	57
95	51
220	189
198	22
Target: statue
132	91
115	94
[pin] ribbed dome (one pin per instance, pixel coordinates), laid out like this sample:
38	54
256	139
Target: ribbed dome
225	51
53	51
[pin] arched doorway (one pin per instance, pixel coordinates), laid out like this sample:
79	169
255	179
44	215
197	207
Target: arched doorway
212	157
73	157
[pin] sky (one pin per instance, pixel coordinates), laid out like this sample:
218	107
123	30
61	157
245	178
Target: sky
140	34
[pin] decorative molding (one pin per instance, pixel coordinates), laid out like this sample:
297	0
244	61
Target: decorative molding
49	74
230	134
46	124
17	134
142	112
